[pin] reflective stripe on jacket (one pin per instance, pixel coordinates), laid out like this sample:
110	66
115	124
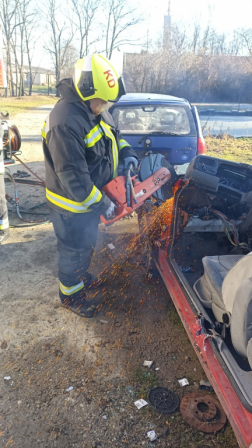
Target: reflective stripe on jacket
81	154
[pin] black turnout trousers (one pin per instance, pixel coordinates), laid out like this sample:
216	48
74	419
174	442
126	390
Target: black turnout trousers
76	239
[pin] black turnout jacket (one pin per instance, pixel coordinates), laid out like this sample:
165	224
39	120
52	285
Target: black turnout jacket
81	152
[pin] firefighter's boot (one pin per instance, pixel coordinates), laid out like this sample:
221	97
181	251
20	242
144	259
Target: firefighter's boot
78	304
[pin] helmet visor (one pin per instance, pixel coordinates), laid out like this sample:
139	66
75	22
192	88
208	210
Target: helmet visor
121	91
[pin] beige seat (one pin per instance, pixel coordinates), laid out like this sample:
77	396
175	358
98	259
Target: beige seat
209	286
226	287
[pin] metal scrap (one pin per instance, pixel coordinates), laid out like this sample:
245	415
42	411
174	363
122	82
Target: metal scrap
203	412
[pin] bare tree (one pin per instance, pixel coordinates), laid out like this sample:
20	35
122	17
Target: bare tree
179	40
120	18
247	39
28	14
70	59
8	15
195	38
60	37
83	19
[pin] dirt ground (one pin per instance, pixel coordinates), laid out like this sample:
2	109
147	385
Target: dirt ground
46	350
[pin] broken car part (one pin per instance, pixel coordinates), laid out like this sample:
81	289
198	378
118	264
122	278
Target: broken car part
163	400
203	412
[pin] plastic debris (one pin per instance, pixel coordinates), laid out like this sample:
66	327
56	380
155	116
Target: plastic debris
157	368
104	417
205	385
104	321
148	363
70	388
152	435
7	378
186	269
111	246
140	403
183	382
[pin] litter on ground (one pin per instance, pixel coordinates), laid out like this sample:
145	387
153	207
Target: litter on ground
205	385
152	435
111	246
140	403
183	382
70	388
7	378
148	363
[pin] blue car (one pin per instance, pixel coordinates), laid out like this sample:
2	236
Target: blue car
160	123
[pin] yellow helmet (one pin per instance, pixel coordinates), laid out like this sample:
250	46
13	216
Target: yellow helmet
95	77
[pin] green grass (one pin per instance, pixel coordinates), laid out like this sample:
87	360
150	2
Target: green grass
229	148
173	317
41	89
24	103
145	380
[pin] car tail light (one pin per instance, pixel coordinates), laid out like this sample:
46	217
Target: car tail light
202	149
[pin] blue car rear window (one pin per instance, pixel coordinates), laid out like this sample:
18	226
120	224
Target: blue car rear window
154	118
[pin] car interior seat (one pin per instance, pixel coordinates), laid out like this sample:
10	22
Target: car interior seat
131	120
226	288
167	122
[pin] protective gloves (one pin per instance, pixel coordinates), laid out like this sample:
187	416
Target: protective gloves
110	211
132	160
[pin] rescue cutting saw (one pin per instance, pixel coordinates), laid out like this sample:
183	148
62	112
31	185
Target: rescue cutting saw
129	192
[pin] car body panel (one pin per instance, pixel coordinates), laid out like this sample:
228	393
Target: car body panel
239	417
206	343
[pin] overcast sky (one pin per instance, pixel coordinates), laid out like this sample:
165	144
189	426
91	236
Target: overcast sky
223	15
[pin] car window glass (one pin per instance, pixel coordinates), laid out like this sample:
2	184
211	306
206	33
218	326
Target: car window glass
140	120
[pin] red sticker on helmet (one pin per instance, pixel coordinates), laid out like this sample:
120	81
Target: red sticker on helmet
110	79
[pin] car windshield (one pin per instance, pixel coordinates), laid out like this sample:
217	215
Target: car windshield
146	119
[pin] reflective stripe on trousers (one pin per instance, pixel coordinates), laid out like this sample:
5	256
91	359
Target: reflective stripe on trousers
76	239
69	291
75	207
109	134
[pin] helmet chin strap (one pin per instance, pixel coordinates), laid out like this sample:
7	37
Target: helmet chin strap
87	104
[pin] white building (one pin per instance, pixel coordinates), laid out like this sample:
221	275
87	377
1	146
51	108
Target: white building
39	76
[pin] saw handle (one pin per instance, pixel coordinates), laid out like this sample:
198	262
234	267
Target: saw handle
128	184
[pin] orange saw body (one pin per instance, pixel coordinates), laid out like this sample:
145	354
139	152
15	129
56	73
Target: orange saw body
140	191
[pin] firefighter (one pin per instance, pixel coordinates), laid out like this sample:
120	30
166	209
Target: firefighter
4	222
82	149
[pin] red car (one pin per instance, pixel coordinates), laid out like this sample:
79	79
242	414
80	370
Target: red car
201	247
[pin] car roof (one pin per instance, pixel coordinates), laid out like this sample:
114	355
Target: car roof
147	98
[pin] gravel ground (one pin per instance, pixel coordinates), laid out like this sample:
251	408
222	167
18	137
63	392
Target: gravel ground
73	381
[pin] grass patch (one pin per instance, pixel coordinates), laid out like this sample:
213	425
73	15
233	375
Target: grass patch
185	436
144	380
24	103
173	317
230	148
